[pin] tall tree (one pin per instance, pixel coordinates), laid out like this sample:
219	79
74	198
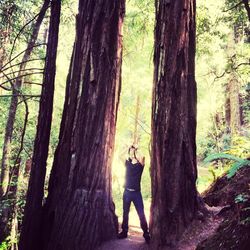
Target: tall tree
173	160
81	171
5	166
233	106
6	11
33	209
137	110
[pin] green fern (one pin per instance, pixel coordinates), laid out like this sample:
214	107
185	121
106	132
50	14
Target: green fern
239	163
236	166
220	156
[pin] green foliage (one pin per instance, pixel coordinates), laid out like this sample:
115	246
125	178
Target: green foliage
14	14
4	245
214	26
239	163
220	156
236	166
237	12
7	243
241	198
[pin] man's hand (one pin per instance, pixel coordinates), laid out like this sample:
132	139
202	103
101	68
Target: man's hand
141	159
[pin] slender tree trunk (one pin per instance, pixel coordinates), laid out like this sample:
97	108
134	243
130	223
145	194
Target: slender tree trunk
13	220
5	168
81	172
137	110
5	31
233	88
8	201
173	158
33	209
234	103
2	59
8	205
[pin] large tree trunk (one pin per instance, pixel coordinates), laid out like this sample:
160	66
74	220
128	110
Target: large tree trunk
81	172
5	168
173	159
33	209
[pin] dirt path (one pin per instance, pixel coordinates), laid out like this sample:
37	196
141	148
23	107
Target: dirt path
135	241
200	231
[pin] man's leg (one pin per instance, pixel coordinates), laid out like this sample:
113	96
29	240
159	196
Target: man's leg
138	202
126	208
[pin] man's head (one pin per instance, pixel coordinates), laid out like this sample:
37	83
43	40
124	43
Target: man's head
132	151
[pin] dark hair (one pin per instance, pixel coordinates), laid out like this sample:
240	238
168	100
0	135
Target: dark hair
135	149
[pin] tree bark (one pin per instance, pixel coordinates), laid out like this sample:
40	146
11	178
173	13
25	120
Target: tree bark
233	88
173	159
234	103
5	168
81	171
33	209
137	110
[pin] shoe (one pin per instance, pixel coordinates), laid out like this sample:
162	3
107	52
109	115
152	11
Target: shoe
122	235
146	237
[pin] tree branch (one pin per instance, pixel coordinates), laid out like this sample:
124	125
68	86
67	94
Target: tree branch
36	45
235	6
228	72
28	74
17	64
33	83
21	30
16	164
20	95
244	63
13	72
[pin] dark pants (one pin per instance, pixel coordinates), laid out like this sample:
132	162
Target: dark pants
136	198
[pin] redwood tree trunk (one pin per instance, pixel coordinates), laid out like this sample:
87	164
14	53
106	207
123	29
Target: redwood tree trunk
79	211
173	160
33	209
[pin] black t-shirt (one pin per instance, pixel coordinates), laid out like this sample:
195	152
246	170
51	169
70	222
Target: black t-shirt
133	175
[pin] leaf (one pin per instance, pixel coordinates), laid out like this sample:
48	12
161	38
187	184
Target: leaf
239	163
236	166
220	156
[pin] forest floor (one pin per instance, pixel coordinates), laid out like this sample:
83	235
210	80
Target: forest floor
200	231
227	225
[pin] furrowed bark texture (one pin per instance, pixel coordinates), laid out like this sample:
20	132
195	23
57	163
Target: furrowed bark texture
79	212
173	161
33	209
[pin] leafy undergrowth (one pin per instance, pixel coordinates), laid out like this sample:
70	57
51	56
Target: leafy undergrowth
234	195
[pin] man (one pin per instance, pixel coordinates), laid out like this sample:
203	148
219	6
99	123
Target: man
132	193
